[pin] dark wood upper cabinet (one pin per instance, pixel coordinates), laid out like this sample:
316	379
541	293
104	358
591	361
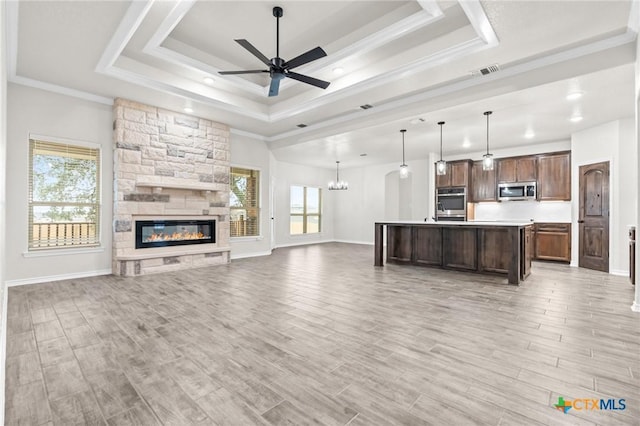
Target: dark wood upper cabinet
517	169
483	183
458	173
554	176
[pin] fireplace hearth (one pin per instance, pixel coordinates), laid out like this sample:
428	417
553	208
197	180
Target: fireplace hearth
163	233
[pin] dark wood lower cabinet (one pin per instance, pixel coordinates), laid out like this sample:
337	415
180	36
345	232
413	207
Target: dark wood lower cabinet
552	241
495	249
460	248
399	243
427	246
503	249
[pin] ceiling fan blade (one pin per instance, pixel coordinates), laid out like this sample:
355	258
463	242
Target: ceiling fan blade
274	88
251	48
306	57
309	80
242	72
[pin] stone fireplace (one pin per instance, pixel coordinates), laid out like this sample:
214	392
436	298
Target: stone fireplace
171	190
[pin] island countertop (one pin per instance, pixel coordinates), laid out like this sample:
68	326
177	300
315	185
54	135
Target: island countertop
500	247
454	223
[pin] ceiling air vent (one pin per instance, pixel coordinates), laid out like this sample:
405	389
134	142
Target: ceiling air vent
487	70
366	106
302	126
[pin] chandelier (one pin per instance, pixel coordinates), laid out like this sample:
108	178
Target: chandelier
338	184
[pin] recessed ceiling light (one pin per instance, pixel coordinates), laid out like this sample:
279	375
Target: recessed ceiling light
529	134
188	110
574	96
208	80
576	118
338	70
417	120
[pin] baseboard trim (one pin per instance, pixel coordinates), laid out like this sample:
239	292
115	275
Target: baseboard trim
40	280
246	255
366	243
635	307
619	272
306	243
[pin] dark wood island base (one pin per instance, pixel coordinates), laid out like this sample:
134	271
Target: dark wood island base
481	247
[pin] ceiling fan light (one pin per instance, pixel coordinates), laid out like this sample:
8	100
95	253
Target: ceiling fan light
441	167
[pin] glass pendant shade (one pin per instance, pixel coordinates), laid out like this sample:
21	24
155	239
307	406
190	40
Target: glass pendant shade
338	185
487	159
441	166
404	169
487	162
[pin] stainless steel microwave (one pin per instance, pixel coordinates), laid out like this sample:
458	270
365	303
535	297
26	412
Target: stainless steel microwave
517	191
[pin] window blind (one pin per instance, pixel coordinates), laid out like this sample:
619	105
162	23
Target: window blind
64	195
244	202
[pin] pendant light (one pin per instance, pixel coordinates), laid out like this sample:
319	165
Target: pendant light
487	159
404	169
441	166
338	185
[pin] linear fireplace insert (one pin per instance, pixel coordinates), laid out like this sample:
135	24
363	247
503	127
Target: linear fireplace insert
161	233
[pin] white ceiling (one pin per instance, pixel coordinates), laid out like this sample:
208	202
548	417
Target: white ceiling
409	59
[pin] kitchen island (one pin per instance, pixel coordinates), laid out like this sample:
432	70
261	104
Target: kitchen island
481	247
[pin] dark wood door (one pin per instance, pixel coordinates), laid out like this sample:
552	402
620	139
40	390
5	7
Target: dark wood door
593	217
483	183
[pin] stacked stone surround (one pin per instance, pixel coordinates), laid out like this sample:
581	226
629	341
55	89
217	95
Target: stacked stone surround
167	165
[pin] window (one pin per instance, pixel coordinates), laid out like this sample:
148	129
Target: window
64	195
306	205
243	202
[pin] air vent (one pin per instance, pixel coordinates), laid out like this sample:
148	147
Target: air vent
302	126
366	106
487	70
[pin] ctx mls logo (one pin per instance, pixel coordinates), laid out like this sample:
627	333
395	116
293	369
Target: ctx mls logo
584	404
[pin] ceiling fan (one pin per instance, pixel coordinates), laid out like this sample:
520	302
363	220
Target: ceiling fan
278	67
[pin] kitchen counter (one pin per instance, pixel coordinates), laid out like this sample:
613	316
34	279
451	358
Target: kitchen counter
481	247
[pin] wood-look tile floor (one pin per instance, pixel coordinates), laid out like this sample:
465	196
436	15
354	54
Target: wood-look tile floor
318	335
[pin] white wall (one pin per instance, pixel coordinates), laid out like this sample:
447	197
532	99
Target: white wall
614	142
253	154
636	303
33	111
284	175
368	199
3	205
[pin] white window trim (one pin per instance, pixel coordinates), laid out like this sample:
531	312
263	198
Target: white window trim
94	248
